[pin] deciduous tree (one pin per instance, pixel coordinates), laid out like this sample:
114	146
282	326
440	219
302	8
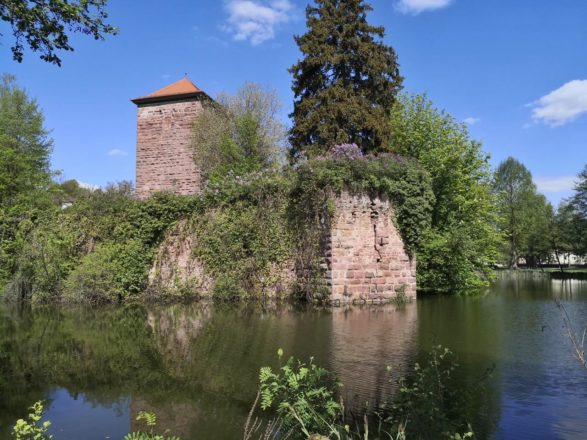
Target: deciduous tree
240	133
25	177
526	218
457	251
577	226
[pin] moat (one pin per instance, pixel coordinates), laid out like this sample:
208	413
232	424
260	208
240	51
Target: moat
197	365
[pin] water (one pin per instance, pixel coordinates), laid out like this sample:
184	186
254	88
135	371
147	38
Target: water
196	366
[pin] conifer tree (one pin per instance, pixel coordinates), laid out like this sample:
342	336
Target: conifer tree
346	83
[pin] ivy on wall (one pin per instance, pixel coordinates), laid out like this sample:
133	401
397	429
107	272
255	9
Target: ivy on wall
247	228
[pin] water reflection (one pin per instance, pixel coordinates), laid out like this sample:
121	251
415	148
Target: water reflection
364	341
197	365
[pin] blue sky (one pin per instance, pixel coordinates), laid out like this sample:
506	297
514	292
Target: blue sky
516	71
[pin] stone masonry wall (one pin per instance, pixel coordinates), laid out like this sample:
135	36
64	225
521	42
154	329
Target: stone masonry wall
164	153
365	255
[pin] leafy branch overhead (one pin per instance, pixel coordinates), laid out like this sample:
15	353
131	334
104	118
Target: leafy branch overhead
44	25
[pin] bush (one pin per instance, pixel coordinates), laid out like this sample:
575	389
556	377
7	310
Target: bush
94	279
431	403
247	229
59	246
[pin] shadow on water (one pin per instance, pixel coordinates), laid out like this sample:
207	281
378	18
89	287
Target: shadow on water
197	365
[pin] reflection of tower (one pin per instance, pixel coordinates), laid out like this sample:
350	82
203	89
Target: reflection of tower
365	340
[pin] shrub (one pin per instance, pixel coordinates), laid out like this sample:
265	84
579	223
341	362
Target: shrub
241	233
431	403
94	279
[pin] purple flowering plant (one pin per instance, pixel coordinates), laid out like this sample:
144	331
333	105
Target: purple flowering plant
346	152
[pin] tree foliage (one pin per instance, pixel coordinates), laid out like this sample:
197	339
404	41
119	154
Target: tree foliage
570	225
239	134
515	190
456	251
345	84
43	25
578	214
526	218
25	178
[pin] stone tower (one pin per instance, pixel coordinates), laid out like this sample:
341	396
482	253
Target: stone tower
164	132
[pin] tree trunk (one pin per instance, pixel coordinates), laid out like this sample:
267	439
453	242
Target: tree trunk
514	259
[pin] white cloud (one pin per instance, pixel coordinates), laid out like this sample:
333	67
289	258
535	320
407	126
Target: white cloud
87	185
417	6
471	120
256	20
117	152
555	184
562	105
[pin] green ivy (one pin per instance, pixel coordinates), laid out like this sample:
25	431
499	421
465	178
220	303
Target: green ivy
247	230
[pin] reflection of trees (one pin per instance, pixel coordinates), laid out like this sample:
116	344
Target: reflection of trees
102	353
365	340
193	358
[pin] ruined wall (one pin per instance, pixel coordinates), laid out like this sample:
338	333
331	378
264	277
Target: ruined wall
164	154
365	256
176	268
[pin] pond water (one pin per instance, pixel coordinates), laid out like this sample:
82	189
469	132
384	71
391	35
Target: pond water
196	366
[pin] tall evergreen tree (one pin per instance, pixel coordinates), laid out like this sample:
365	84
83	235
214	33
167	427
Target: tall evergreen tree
346	83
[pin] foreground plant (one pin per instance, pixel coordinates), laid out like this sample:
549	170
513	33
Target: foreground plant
32	428
428	404
303	394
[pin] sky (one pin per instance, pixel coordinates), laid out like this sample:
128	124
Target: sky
514	71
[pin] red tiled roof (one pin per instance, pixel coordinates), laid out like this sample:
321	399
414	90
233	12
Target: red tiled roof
183	88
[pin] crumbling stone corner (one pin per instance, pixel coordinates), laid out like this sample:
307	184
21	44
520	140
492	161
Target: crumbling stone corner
365	256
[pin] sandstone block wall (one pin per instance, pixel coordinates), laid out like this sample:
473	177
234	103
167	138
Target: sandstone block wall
164	152
365	257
